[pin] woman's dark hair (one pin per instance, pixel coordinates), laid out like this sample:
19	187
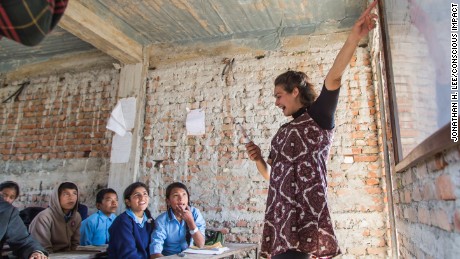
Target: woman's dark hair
66	185
296	79
100	195
188	236
129	191
10	184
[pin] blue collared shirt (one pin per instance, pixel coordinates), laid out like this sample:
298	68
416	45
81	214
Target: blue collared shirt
134	217
94	230
168	237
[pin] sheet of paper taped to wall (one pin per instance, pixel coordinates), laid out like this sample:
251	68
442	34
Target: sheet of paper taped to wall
195	122
121	148
123	116
121	121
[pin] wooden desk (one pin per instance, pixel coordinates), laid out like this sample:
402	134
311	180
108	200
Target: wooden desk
234	249
73	255
82	252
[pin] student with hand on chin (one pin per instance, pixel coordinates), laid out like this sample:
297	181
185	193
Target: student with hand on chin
180	226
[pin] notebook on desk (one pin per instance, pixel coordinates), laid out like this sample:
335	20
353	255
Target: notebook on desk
215	249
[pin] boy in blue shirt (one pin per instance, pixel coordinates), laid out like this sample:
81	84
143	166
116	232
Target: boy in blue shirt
95	229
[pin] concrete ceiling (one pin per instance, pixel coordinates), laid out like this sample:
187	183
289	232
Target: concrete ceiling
121	29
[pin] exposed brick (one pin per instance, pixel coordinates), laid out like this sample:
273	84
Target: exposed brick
377	250
440	218
424	216
372	181
445	188
429	192
436	164
416	193
362	158
357	250
241	223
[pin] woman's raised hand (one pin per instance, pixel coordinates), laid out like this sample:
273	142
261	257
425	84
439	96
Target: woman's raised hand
366	22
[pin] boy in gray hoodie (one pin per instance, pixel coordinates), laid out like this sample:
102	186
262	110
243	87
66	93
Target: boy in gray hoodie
57	228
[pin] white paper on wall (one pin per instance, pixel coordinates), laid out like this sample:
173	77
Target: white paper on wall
195	123
121	148
121	121
123	116
128	106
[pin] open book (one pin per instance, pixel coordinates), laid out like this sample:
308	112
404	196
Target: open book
215	249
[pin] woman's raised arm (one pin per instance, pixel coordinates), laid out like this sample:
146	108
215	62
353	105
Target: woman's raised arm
361	28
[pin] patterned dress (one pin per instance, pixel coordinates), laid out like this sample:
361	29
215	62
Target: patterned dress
297	217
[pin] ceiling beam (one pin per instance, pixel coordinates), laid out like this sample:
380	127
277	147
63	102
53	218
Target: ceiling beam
86	25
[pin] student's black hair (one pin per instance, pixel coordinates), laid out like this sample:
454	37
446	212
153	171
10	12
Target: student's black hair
188	236
67	185
129	191
10	184
297	79
100	195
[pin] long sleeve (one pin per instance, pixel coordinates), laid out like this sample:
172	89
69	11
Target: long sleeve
19	239
323	109
40	229
122	243
159	235
75	239
199	221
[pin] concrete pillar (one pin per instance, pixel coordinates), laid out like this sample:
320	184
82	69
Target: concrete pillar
132	84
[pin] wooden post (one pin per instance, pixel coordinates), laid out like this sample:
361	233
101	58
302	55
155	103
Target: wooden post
132	84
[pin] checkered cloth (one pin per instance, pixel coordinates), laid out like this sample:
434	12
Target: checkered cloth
28	21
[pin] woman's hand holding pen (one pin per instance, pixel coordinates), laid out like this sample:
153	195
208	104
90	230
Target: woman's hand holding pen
255	155
253	151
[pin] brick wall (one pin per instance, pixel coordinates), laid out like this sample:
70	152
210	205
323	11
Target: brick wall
427	207
55	131
224	184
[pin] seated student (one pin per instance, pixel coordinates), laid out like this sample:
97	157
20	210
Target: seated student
15	234
130	231
9	190
57	228
95	229
180	226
